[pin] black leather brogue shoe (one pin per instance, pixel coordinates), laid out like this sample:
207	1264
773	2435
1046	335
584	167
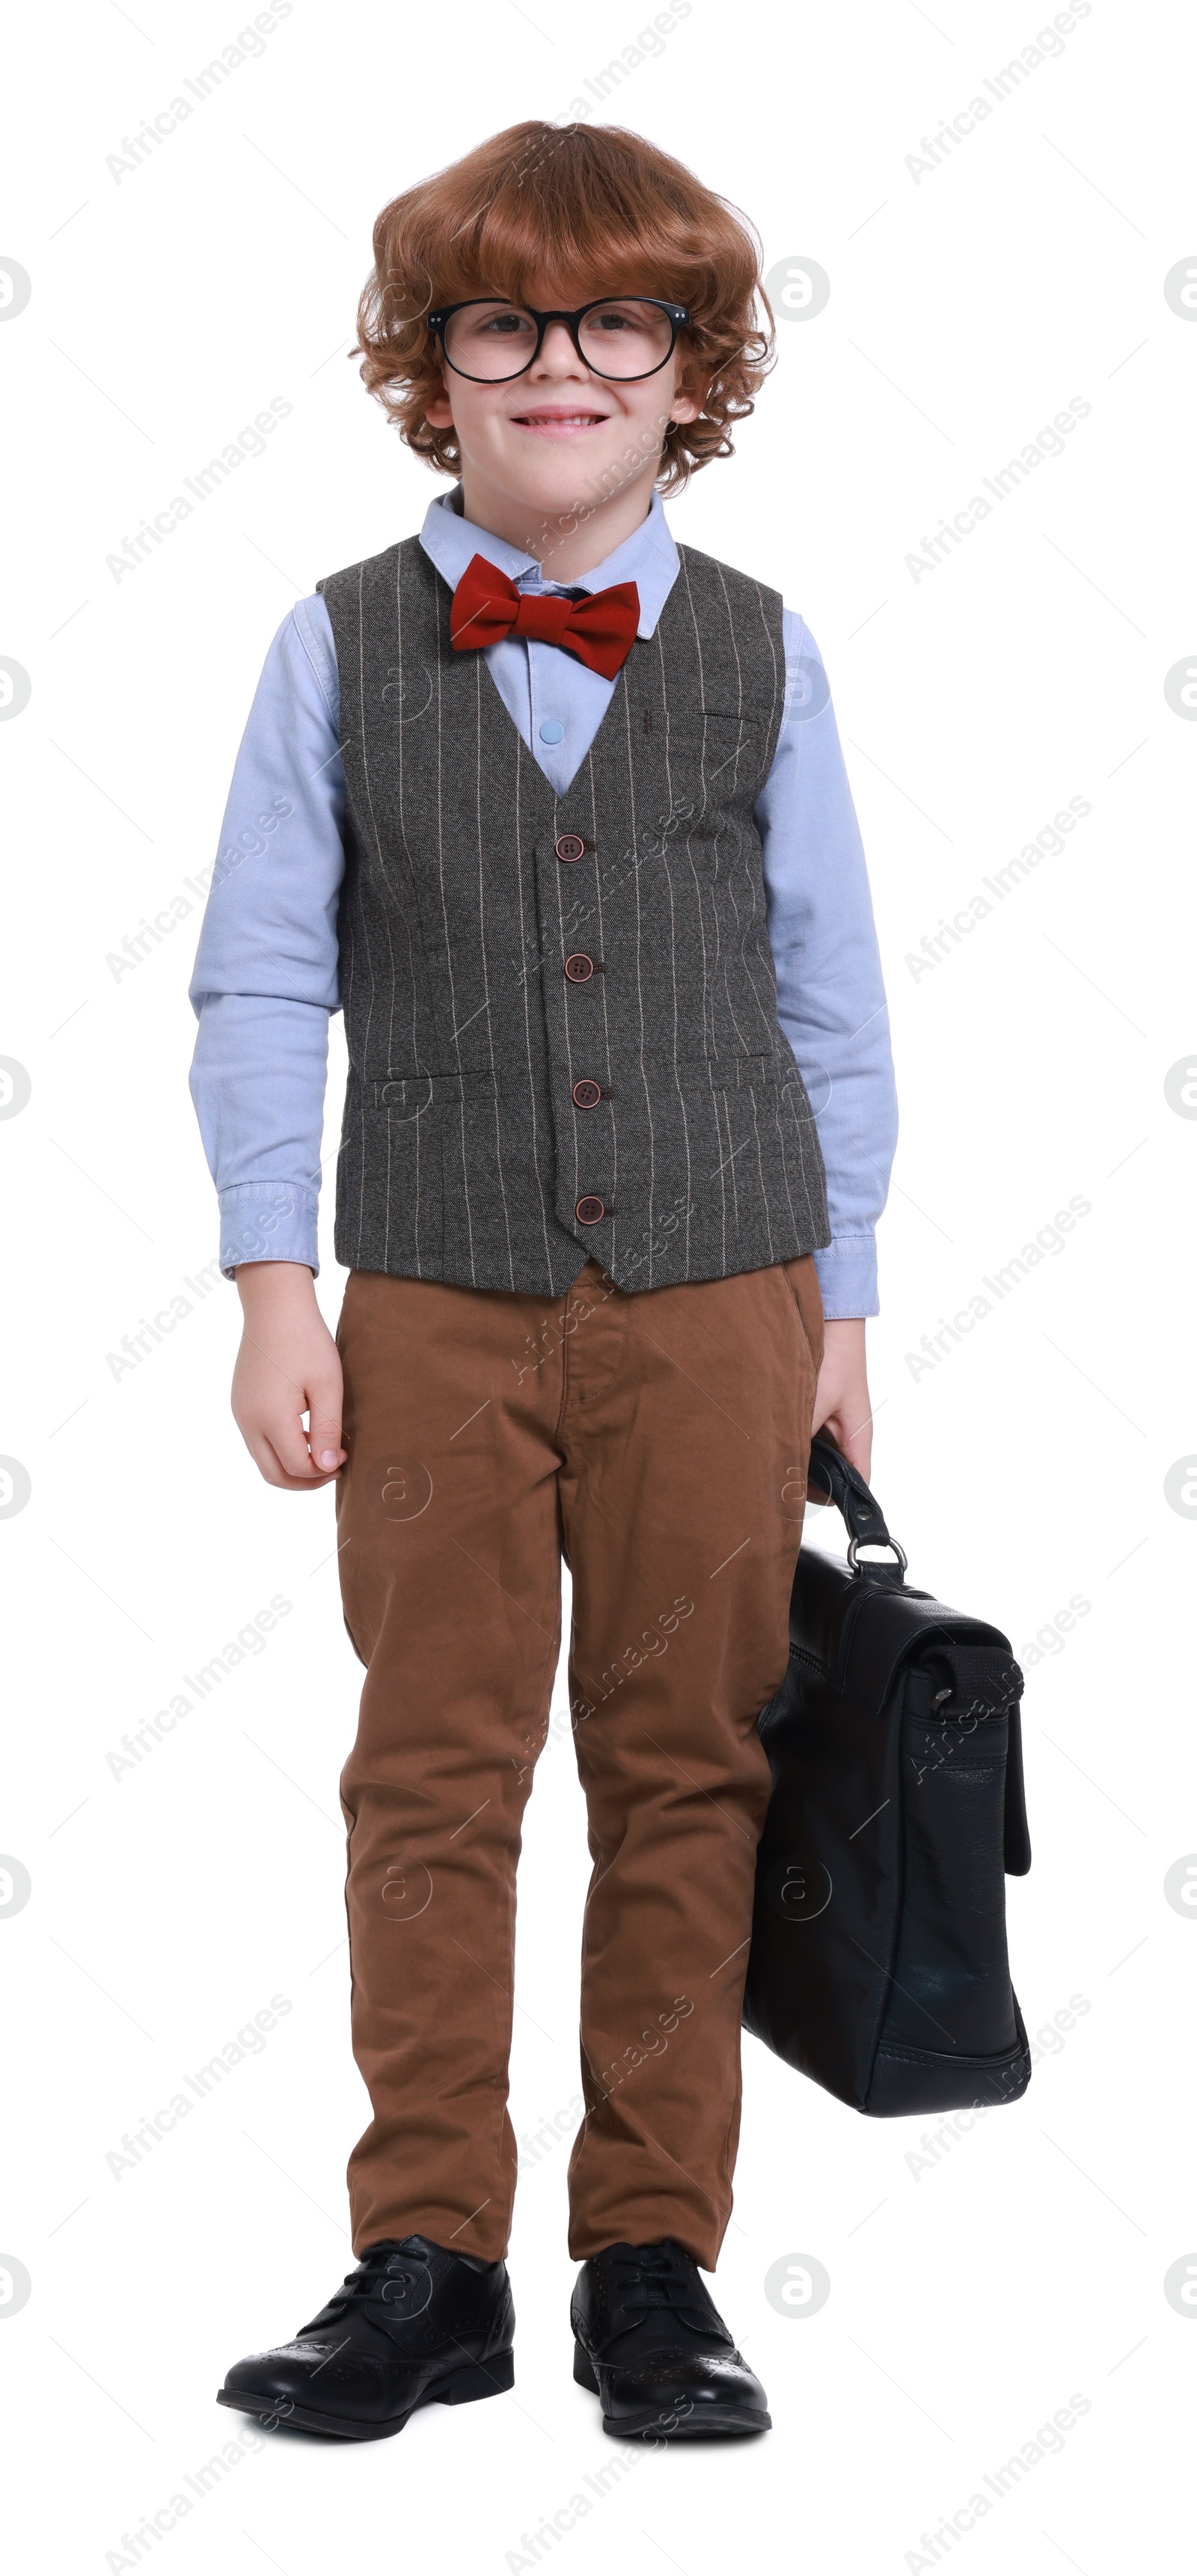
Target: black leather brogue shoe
650	2342
413	2326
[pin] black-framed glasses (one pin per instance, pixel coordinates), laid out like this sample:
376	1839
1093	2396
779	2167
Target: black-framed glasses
624	337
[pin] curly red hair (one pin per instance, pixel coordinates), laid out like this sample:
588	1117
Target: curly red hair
572	210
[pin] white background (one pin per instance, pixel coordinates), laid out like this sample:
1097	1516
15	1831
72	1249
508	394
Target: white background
970	2298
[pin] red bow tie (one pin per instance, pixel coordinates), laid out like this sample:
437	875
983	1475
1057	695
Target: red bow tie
600	629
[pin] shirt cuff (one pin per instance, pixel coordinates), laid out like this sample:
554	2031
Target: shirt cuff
847	1273
267	1221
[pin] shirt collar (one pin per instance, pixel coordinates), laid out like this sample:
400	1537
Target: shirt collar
648	557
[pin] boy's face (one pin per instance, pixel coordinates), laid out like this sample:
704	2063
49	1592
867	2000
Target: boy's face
560	437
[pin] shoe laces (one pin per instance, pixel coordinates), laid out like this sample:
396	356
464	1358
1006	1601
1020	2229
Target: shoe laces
398	2274
657	2276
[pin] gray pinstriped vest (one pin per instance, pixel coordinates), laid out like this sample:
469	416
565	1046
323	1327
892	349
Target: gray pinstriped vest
468	1147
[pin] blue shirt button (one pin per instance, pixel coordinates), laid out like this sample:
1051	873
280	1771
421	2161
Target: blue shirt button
552	731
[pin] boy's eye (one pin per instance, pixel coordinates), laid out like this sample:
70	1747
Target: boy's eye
489	340
646	333
490	322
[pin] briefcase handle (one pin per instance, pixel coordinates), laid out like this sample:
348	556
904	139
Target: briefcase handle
862	1513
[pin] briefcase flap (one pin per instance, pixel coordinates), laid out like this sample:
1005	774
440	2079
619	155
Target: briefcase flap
862	1632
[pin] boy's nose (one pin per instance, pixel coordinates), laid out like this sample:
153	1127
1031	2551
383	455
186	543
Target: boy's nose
557	351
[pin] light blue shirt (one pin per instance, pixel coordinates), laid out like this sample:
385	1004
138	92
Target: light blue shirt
265	975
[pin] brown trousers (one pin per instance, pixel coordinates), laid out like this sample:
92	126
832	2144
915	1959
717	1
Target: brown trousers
659	1443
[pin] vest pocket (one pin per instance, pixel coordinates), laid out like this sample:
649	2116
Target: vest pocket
743	1073
409	1095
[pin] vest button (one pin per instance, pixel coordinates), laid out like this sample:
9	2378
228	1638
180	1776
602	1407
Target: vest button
569	846
587	1095
589	1211
579	969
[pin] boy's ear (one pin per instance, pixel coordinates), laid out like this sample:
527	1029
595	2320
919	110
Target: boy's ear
438	410
688	398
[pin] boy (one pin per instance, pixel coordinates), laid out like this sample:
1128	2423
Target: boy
555	812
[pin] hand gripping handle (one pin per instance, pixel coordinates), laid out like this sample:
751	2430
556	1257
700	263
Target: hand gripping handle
862	1513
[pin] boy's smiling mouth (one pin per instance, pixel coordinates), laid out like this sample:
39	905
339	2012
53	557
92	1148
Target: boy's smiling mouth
552	421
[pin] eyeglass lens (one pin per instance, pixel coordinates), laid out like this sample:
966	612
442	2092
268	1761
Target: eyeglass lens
628	337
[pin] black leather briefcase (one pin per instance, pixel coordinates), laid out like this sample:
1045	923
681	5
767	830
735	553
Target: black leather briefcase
878	1962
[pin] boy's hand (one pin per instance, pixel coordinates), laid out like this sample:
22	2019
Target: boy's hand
842	1407
288	1365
